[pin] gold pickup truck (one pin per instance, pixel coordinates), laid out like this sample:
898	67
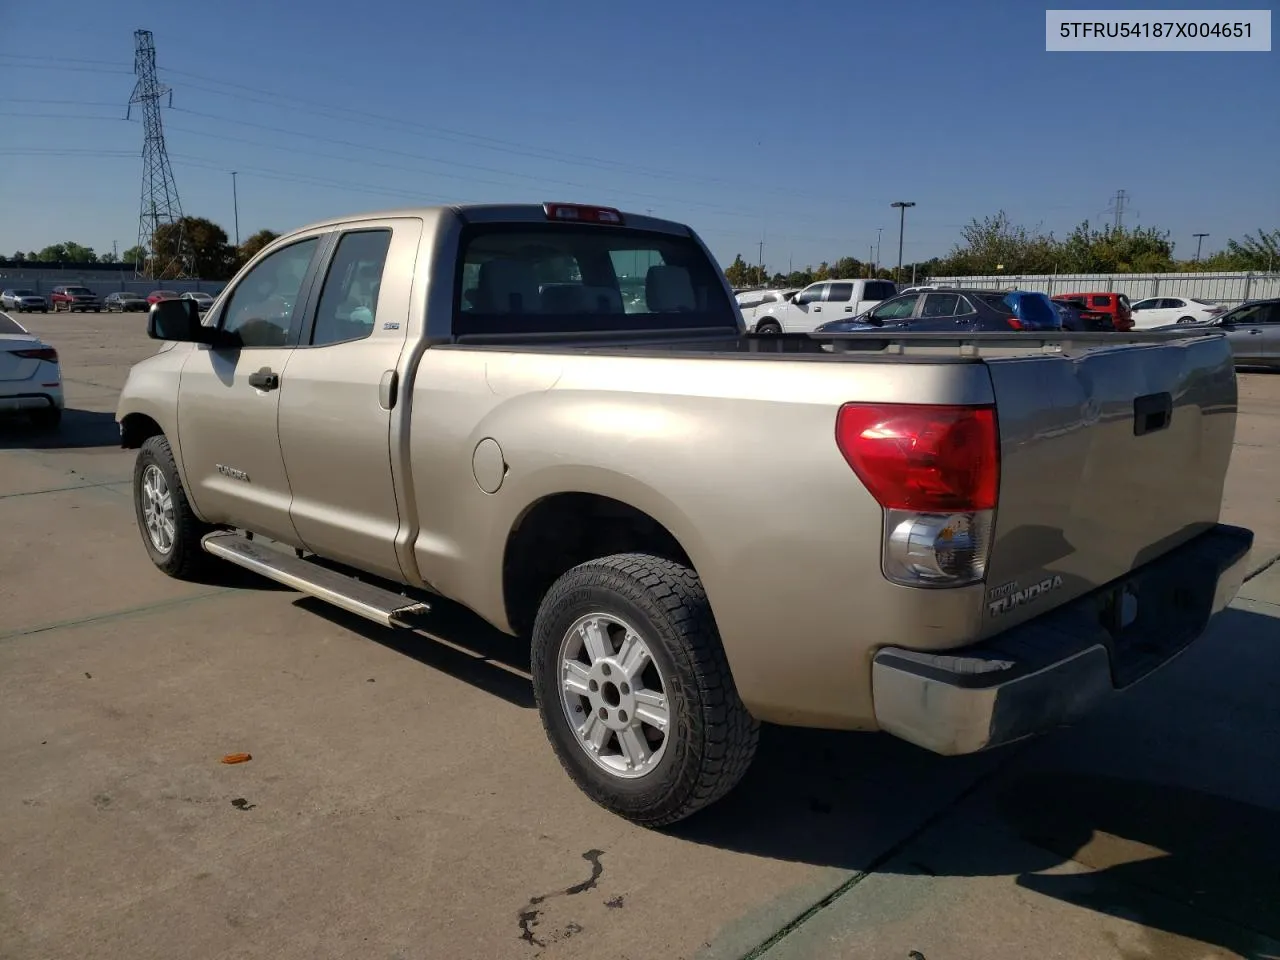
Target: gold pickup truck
552	414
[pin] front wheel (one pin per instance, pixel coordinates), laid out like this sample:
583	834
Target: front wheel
170	530
768	326
1186	320
634	689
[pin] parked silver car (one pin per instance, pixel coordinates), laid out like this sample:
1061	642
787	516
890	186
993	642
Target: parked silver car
23	299
1254	331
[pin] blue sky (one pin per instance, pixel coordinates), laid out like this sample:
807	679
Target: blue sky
798	123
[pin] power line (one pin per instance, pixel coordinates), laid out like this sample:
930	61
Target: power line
267	97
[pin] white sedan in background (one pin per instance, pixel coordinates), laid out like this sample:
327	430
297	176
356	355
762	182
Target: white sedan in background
30	376
1162	311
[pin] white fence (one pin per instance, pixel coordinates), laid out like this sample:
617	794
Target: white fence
1228	288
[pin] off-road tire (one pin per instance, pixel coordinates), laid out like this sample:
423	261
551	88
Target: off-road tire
186	559
711	738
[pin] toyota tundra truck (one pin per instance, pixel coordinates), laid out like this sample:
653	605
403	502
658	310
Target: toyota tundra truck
960	539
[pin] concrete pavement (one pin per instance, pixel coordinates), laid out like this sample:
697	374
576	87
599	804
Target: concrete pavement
402	802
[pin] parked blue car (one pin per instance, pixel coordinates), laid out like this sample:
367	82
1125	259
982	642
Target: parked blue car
959	311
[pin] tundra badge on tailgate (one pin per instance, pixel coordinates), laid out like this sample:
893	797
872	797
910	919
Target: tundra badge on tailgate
1007	597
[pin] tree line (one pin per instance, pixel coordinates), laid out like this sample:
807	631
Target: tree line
191	246
995	245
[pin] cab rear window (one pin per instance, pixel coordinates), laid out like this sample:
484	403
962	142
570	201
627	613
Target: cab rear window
570	278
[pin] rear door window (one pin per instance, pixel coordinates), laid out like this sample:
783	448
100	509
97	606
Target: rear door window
840	293
940	305
996	302
566	278
349	297
878	290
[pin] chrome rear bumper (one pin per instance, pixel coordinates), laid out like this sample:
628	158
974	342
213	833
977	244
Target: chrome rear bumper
1051	670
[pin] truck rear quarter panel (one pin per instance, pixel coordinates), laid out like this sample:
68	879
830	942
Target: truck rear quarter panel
736	458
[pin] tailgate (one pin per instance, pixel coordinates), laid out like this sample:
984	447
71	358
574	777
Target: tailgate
1111	456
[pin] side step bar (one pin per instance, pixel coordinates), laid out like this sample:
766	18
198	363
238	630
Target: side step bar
355	596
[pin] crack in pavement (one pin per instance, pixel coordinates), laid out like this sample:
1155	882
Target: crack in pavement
116	614
78	486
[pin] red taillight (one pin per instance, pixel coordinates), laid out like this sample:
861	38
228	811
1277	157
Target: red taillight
932	459
1015	323
40	353
577	213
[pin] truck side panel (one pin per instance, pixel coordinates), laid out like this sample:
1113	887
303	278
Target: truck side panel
753	487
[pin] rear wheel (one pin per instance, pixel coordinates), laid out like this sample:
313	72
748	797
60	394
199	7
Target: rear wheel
634	689
1186	320
768	326
170	530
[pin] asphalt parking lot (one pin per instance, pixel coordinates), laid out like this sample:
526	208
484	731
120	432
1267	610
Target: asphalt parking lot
401	801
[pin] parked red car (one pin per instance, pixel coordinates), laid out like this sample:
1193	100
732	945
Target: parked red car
73	298
1116	306
155	296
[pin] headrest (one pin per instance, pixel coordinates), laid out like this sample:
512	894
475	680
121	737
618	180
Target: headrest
507	286
668	289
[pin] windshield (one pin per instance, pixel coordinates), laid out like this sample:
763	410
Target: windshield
24	293
79	291
561	278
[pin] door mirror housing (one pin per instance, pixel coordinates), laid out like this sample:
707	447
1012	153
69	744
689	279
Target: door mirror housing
177	320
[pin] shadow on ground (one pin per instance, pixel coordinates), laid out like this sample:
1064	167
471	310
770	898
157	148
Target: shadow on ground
457	643
1184	861
1181	860
79	429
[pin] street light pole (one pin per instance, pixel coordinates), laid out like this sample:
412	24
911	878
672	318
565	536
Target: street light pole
235	205
1199	239
902	222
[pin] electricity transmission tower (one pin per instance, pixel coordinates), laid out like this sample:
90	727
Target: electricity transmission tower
160	203
1118	202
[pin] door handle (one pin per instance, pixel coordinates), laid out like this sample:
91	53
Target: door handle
1255	333
848	309
264	379
387	389
817	309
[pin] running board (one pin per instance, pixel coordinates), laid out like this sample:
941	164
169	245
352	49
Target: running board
355	596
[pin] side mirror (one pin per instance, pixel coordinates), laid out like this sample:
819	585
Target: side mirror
174	320
178	320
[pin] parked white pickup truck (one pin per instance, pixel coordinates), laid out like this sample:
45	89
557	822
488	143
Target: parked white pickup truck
816	304
960	539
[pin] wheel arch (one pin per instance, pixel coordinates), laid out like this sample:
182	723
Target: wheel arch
557	531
